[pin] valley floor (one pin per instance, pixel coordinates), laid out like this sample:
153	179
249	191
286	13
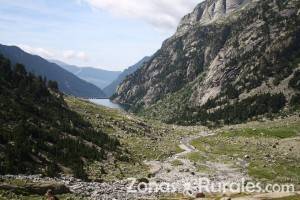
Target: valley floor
265	151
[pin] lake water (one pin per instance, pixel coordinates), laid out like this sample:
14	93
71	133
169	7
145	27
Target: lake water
107	103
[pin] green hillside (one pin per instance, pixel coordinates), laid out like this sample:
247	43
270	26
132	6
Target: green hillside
39	133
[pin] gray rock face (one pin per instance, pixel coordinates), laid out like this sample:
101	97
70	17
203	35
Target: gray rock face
210	11
233	4
225	52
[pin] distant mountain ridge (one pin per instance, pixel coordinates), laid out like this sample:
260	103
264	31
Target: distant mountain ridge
112	88
99	77
68	82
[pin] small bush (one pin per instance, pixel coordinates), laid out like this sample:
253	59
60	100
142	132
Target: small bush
295	81
295	101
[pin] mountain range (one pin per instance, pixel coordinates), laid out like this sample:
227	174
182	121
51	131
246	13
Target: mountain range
112	87
229	61
108	81
99	77
68	82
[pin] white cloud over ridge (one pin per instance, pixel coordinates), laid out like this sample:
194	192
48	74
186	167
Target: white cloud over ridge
70	54
162	14
45	53
51	54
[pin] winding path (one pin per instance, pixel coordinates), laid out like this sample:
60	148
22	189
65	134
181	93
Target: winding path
156	166
188	171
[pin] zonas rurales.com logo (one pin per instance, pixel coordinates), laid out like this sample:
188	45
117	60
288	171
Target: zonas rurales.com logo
196	186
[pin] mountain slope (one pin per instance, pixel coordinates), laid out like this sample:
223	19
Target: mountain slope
68	83
112	88
99	77
226	57
39	133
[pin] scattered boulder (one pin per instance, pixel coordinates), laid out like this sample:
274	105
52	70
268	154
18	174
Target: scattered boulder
151	175
187	170
97	116
200	195
268	156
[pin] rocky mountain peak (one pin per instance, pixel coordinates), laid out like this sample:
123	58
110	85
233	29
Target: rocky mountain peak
210	11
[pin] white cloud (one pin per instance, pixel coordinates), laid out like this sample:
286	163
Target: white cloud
162	14
70	54
48	54
82	55
67	55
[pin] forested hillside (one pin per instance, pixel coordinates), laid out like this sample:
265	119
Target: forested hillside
39	133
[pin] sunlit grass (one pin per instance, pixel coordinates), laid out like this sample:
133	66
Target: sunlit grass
259	146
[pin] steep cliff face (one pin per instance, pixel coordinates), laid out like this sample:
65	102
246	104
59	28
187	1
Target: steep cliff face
225	55
210	11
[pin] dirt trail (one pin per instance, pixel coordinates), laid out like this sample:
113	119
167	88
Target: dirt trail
187	172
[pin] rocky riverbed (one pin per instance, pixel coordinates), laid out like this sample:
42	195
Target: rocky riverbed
90	190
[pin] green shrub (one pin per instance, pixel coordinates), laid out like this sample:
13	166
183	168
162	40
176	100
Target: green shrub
295	81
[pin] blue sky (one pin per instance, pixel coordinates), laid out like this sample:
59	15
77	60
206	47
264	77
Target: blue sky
108	34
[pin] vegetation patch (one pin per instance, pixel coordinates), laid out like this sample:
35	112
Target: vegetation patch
295	81
295	101
177	163
277	132
242	110
269	152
